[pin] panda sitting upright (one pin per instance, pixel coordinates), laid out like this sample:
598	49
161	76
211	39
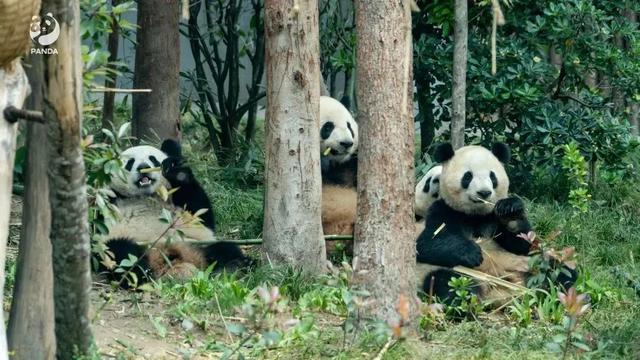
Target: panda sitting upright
140	225
475	224
338	143
338	148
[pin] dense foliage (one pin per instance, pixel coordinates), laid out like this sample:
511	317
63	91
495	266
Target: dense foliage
567	72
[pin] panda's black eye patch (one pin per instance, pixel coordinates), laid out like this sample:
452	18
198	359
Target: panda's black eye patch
351	130
427	184
155	161
466	179
129	164
494	179
326	130
436	180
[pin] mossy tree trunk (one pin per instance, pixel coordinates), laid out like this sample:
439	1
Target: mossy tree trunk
384	251
67	186
31	331
292	226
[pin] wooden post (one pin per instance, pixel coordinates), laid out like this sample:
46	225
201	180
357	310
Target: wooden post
31	333
14	88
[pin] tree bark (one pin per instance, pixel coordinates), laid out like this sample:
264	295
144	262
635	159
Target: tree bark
292	226
113	40
67	186
459	88
14	88
31	333
156	115
384	248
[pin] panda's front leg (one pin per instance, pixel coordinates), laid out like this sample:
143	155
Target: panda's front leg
448	248
511	215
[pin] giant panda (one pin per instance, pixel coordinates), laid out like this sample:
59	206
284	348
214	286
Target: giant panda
475	224
146	170
338	156
338	143
427	191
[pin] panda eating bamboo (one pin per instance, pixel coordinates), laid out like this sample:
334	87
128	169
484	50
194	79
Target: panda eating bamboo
146	170
474	224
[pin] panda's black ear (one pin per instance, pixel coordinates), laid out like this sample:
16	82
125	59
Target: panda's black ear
172	148
443	152
502	152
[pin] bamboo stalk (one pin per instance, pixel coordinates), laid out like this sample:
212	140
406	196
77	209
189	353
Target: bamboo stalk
258	241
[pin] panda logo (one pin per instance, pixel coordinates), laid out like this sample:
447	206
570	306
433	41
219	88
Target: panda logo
44	30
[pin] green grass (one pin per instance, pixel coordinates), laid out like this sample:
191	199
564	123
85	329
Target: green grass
607	236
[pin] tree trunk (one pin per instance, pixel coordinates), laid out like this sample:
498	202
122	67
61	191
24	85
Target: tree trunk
459	88
31	333
292	226
156	115
384	248
425	114
634	107
108	105
67	187
14	88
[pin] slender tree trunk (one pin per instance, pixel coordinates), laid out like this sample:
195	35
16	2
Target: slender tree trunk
67	188
634	106
292	225
113	41
31	333
459	89
384	249
14	88
156	115
425	115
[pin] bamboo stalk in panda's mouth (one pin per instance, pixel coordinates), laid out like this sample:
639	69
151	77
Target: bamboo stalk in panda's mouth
150	170
327	151
485	201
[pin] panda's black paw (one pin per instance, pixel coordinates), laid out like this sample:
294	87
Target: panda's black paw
509	208
471	256
176	172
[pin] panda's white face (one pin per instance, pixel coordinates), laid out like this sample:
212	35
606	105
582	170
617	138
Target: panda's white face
338	131
428	190
473	180
137	183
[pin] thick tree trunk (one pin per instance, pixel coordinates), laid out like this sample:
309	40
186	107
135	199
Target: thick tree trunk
31	333
292	225
14	88
156	115
459	88
384	249
113	40
67	188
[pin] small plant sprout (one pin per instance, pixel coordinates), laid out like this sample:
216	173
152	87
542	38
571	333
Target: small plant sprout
575	306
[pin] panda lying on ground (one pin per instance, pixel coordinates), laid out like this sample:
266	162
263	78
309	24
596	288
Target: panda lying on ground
475	224
140	223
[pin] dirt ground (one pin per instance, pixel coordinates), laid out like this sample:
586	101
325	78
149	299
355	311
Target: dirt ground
126	325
